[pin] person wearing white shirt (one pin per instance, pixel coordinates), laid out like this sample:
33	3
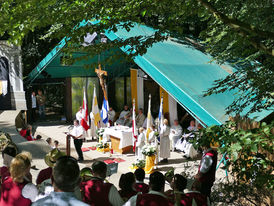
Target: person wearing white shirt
164	142
92	126
175	134
152	139
111	115
79	115
191	126
77	134
156	194
140	143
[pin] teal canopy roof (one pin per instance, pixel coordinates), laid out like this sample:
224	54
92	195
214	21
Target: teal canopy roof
183	71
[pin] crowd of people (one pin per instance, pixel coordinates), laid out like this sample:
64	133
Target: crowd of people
63	183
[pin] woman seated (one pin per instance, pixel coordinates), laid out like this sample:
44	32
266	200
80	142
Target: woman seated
18	189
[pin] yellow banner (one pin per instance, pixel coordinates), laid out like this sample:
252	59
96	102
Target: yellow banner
165	100
133	81
1	87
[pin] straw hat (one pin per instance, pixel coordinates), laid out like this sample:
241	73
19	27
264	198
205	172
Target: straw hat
52	157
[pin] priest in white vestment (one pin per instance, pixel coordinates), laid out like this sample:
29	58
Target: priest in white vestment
140	118
111	115
140	143
122	115
175	134
164	142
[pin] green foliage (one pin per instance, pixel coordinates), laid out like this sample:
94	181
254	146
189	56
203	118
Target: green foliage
139	164
238	31
250	151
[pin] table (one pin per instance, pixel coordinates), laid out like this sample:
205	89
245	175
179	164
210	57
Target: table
120	137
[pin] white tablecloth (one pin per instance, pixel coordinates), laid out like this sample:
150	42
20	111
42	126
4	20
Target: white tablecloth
121	132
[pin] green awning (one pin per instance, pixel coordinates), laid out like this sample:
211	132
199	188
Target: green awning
182	70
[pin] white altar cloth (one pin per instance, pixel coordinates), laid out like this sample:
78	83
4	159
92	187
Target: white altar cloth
121	132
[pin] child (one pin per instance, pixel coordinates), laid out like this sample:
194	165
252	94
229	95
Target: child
140	186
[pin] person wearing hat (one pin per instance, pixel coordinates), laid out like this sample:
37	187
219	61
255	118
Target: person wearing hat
50	160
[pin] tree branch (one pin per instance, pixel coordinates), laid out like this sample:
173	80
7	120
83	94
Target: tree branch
235	23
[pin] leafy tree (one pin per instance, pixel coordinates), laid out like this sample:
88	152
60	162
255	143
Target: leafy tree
238	31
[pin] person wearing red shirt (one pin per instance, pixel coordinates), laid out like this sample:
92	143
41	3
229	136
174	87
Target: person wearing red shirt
140	186
13	189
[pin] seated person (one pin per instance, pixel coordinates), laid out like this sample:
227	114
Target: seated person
111	115
178	184
185	146
97	192
128	120
50	160
8	153
140	186
122	115
156	194
66	174
126	183
191	126
145	122
140	118
194	196
14	189
175	134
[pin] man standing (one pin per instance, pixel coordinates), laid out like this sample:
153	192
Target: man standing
111	115
33	107
41	100
207	169
66	177
79	114
164	142
140	118
77	134
175	134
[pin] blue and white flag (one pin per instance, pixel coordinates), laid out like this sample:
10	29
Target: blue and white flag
104	111
160	116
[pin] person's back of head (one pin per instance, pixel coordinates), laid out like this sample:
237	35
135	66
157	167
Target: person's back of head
140	174
10	150
127	181
38	137
157	182
99	169
20	166
180	182
66	174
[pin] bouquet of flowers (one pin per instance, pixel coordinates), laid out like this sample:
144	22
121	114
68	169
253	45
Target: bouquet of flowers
148	150
102	145
139	164
100	132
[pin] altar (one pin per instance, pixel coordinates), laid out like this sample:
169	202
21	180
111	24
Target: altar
120	137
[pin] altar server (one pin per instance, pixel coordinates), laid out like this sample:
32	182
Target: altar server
111	115
92	126
164	142
175	134
140	143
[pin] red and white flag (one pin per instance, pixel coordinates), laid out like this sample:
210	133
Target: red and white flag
84	121
134	129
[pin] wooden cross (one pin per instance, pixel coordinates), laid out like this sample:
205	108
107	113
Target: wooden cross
101	73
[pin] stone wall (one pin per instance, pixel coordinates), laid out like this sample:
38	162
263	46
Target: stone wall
16	90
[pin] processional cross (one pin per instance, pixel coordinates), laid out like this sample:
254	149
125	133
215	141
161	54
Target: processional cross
101	73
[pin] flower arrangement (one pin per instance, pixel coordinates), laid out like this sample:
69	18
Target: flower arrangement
148	150
139	164
102	147
100	132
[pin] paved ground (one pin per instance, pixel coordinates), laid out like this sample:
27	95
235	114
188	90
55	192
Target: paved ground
55	131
